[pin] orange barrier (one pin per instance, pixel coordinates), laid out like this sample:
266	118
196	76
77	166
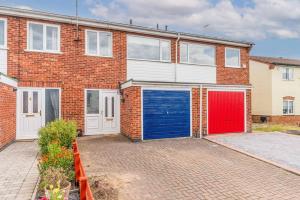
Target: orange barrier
84	187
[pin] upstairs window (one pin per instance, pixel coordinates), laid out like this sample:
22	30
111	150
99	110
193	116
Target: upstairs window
197	54
287	73
144	48
98	43
43	37
232	57
288	107
3	33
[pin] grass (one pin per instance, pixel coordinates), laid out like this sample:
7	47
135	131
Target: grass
267	127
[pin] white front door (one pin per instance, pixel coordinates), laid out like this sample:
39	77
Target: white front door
30	112
102	114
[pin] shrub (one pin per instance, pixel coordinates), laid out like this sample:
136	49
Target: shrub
59	130
54	176
58	157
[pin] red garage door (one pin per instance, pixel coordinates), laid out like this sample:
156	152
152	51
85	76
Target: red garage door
225	112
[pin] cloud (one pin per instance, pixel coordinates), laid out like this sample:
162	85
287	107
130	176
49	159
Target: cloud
258	19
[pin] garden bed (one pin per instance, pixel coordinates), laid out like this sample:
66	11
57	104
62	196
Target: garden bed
270	127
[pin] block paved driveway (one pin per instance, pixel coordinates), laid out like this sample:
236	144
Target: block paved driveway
279	148
18	171
184	169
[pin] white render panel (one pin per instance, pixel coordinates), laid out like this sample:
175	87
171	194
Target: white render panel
160	71
3	61
150	71
196	73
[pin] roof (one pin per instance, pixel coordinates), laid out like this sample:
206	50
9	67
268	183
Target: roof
276	60
34	14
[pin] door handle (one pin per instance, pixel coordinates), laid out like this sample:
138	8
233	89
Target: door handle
40	112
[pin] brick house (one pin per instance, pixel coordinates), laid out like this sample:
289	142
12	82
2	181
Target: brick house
120	78
276	94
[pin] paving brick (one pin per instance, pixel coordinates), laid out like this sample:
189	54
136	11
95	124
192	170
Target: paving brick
184	169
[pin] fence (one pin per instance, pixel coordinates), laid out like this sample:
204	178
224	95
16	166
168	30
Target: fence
84	187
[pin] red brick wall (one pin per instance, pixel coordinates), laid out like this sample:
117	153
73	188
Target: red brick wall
131	113
196	110
71	70
7	114
227	75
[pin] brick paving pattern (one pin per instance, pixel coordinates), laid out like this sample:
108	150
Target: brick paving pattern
184	169
18	171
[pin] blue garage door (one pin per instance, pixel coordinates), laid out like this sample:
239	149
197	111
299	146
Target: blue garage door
166	114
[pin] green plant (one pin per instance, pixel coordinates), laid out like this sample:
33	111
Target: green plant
53	176
58	157
61	131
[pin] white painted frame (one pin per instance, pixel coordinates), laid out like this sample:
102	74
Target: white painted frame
98	43
235	49
160	51
100	96
288	114
5	33
188	56
19	107
166	89
58	51
227	90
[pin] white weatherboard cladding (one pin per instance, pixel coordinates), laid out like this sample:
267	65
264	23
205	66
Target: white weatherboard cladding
196	73
161	71
3	61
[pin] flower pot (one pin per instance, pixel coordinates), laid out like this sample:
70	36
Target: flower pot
65	191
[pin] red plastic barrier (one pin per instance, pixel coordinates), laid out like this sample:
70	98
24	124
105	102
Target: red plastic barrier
84	187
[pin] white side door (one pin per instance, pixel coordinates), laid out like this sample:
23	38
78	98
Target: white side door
102	111
30	113
110	111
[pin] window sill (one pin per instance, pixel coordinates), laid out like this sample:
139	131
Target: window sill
288	80
197	64
236	67
288	114
3	48
98	56
41	51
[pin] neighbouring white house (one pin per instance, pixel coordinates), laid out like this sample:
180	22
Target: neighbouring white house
276	89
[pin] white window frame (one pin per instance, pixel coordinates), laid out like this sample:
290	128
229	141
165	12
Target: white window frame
5	33
98	43
160	49
288	100
232	66
44	37
291	71
188	53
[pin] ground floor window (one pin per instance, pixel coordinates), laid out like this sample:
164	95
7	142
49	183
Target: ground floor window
51	104
288	107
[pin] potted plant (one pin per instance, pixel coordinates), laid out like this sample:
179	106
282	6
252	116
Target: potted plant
56	184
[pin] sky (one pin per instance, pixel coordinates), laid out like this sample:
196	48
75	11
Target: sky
273	25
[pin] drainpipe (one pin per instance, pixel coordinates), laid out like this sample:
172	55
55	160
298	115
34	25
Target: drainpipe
200	118
176	58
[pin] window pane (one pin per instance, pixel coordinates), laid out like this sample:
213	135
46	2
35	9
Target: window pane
36	36
92	102
183	53
285	107
291	74
112	106
232	57
92	42
143	48
106	107
291	107
35	103
52	105
52	38
105	45
2	32
165	50
203	55
25	102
